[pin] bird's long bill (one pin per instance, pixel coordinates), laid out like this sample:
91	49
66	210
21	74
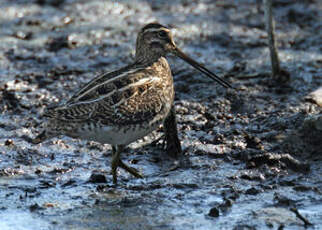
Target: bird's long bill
199	67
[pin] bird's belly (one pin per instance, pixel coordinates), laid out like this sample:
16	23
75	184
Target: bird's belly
122	135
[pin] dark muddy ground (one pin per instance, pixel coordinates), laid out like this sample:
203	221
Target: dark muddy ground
252	159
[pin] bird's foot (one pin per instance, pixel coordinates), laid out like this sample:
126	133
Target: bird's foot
129	169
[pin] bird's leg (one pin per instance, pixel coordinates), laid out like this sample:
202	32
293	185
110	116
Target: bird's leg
171	134
131	170
113	149
116	151
117	162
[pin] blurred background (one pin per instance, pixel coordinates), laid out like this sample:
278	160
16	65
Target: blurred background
250	156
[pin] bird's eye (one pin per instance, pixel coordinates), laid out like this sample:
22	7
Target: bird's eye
162	34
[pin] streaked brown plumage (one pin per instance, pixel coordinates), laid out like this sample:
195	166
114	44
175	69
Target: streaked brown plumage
122	106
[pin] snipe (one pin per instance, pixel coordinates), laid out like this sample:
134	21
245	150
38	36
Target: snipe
122	106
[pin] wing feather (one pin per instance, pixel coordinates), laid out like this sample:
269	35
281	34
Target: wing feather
100	85
123	97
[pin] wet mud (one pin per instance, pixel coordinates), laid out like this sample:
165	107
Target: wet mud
251	157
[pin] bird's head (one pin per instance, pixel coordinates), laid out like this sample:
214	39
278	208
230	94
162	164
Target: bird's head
155	40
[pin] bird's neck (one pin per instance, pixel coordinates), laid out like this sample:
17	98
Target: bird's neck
146	54
146	58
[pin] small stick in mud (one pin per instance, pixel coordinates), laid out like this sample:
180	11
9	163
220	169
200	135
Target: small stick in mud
298	215
277	73
271	37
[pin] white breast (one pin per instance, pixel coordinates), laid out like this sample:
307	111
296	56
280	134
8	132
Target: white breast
117	135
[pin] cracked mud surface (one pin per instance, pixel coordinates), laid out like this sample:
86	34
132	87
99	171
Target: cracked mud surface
250	158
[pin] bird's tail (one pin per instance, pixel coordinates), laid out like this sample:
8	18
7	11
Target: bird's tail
41	137
44	135
49	130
